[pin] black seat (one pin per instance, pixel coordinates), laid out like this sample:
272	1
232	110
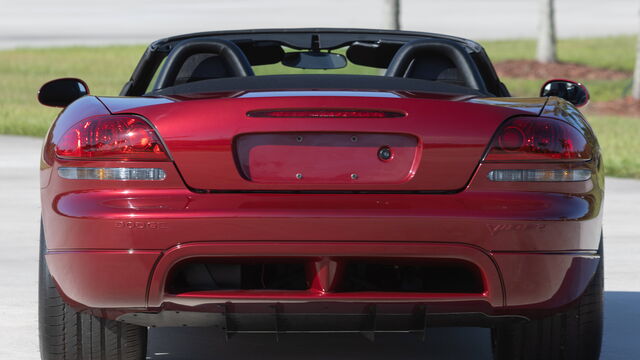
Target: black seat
436	60
202	59
202	67
434	67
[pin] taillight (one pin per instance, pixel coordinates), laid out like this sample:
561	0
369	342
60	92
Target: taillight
539	175
118	174
324	113
530	138
111	137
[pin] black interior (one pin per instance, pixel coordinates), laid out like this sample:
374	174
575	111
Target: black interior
432	60
199	67
262	52
203	59
435	67
220	56
373	54
436	60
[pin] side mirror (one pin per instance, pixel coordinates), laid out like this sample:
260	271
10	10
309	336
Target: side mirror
62	92
573	92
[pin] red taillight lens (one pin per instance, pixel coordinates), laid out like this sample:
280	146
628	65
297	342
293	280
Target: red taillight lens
530	138
324	113
111	137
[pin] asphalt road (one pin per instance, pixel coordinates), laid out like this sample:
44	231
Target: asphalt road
64	22
19	214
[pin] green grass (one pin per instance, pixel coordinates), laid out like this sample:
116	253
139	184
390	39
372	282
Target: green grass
618	139
616	53
106	69
23	71
600	90
610	52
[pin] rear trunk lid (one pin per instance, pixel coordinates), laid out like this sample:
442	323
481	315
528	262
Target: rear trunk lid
435	146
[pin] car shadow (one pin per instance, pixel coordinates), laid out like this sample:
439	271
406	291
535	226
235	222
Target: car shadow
622	327
201	344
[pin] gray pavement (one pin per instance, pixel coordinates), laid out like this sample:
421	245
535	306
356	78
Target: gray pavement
20	209
29	23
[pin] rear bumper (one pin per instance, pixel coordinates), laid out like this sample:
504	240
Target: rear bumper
515	284
111	251
159	219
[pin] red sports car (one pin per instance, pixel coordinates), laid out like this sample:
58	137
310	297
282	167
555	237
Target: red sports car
406	191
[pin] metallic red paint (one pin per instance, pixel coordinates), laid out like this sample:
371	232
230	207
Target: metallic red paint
112	244
103	279
204	138
326	158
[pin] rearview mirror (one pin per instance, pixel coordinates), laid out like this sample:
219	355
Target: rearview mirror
314	60
573	92
62	92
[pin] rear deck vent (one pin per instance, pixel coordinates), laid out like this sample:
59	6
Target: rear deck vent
207	275
432	277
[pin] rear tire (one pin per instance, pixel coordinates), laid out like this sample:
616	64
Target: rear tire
575	334
69	335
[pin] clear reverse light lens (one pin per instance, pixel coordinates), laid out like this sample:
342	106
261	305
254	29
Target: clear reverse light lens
119	174
539	175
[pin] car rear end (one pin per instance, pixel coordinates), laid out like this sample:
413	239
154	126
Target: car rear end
273	212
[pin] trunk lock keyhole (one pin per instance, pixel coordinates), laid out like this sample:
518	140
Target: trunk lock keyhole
385	153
